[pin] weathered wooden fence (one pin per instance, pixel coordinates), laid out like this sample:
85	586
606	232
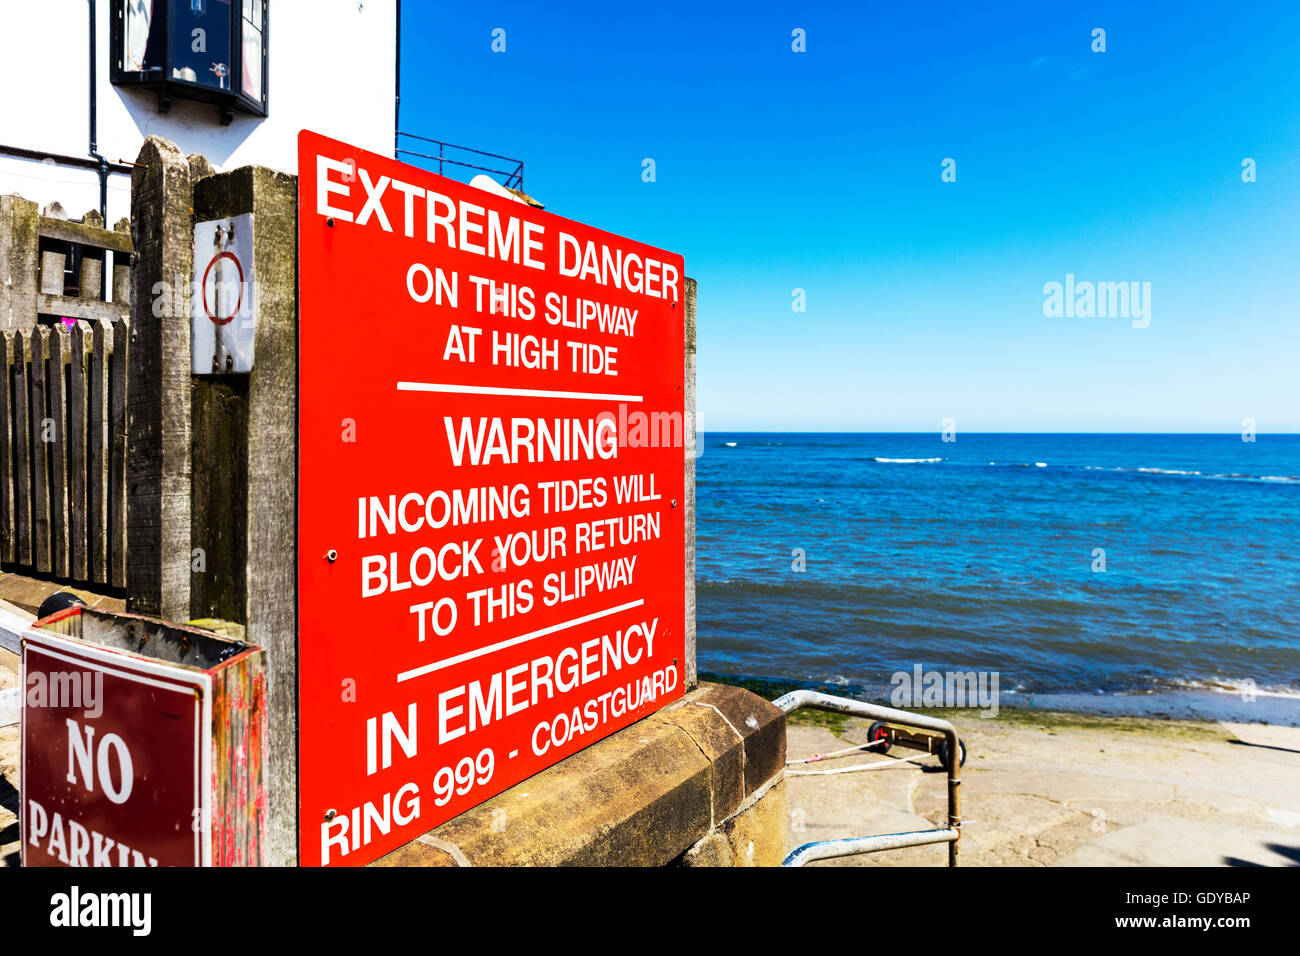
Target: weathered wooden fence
63	389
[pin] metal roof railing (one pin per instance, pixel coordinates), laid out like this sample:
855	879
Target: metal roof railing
513	173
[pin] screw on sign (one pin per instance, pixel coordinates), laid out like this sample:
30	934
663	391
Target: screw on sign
491	569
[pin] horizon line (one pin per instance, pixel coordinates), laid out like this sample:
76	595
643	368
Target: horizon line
829	431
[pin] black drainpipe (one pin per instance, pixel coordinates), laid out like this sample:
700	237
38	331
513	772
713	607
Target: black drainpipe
397	86
94	146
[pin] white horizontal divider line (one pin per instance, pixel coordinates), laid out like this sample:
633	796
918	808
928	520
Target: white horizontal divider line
497	390
512	642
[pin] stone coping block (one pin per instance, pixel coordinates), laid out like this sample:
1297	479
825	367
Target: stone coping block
641	797
30	593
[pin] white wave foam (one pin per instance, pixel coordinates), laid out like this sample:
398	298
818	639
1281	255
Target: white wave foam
1234	687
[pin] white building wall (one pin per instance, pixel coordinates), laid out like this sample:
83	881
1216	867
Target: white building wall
331	69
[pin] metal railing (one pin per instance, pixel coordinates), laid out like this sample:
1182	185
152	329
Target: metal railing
514	174
829	849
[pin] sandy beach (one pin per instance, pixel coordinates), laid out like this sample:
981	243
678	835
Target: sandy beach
1065	789
1040	788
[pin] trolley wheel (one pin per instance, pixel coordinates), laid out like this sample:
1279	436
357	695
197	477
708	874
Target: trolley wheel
943	752
878	731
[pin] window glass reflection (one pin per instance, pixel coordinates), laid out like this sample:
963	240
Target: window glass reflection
201	42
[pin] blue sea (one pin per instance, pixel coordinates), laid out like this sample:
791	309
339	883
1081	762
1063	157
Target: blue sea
1147	573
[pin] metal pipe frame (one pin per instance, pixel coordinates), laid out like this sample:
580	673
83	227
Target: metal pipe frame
121	167
514	177
829	849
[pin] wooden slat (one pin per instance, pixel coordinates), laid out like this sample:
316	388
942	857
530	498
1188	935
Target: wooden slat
40	439
97	443
90	282
52	264
77	388
56	395
6	448
117	453
122	279
22	451
84	235
75	308
238	763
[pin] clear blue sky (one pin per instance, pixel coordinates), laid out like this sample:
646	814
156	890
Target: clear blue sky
821	170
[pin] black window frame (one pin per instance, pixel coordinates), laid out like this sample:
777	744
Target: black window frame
169	87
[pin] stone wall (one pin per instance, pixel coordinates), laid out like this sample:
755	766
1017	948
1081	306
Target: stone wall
700	783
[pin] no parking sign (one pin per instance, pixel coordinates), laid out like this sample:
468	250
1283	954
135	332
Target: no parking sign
222	305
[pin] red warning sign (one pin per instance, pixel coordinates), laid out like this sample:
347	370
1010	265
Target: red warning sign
491	524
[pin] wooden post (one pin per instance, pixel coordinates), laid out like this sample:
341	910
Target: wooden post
18	253
272	572
158	392
246	439
211	461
